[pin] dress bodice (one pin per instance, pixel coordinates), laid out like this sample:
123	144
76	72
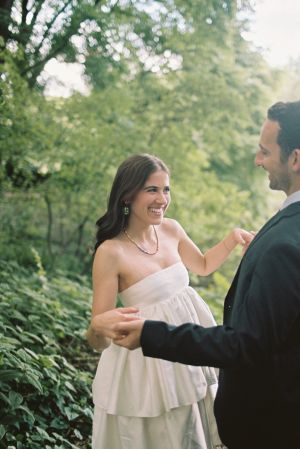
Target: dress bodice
156	286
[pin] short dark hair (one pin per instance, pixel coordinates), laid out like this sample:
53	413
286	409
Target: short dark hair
288	116
129	180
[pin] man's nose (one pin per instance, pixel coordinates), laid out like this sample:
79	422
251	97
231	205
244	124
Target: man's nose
258	159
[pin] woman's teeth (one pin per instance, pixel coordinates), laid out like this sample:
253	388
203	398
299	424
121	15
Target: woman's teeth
155	210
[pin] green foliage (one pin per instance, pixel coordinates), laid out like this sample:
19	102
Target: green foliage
214	295
290	84
175	79
45	365
108	37
192	93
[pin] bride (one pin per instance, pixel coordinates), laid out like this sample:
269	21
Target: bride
143	403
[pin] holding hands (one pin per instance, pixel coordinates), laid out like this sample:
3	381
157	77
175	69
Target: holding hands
122	325
127	331
129	334
105	323
103	327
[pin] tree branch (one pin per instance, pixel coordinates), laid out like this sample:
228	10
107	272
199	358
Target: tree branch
50	24
80	235
38	6
24	11
5	13
77	229
49	227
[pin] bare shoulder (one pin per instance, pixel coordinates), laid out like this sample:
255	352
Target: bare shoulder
171	226
108	254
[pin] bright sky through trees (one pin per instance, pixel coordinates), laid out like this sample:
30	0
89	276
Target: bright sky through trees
275	30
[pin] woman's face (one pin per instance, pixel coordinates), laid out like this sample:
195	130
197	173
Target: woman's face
151	202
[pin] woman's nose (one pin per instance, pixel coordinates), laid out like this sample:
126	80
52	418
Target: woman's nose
161	198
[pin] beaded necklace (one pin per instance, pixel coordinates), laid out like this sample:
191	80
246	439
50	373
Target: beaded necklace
140	247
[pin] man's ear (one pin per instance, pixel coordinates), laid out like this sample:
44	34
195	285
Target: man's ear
295	159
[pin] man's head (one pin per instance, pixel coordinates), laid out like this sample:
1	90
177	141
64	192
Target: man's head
288	117
279	146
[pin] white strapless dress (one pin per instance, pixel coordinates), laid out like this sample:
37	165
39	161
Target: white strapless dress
147	403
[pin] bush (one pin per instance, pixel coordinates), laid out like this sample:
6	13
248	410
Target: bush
46	368
214	295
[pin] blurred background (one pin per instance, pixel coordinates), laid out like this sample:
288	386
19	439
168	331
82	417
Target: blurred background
83	85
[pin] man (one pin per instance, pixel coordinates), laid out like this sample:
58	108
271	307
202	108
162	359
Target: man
258	346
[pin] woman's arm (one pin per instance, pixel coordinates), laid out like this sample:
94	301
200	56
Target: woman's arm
105	289
212	259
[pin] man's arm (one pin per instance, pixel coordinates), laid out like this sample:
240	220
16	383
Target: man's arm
218	346
264	319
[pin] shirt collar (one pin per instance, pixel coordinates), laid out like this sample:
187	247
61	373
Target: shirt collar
293	198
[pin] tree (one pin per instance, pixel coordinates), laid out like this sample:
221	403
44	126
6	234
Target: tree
107	36
198	107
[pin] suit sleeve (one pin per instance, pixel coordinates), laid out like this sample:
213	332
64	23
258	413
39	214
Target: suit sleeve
263	320
189	343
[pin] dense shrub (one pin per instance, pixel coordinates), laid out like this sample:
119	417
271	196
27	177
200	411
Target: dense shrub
46	367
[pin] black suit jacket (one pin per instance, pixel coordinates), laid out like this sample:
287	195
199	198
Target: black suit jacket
257	348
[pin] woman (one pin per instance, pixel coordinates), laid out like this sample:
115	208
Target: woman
143	403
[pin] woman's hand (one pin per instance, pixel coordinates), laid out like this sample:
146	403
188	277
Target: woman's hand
104	323
129	334
239	236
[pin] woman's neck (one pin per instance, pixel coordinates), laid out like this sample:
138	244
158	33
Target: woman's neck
142	233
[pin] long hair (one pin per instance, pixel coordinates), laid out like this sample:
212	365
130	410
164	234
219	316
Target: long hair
129	180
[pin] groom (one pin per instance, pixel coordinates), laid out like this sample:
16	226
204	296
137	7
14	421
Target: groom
258	346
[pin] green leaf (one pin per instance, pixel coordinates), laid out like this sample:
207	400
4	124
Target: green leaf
48	361
30	417
2	431
70	386
33	380
71	414
44	434
78	434
9	374
15	399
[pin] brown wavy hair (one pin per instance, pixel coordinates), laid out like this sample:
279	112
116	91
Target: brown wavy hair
129	180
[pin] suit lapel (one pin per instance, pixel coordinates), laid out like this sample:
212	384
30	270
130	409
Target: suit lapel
293	209
289	210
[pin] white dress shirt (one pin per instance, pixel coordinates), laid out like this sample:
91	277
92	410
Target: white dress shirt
293	198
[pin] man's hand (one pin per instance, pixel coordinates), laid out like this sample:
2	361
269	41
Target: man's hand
129	334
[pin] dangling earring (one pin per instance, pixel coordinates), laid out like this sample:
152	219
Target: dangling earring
126	210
